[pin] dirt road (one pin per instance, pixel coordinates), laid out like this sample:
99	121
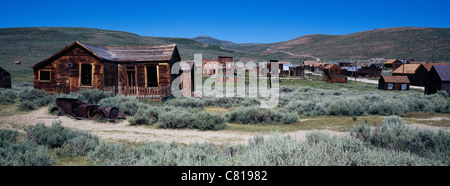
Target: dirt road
124	132
365	80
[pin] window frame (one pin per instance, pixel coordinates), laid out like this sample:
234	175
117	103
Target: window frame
49	75
80	73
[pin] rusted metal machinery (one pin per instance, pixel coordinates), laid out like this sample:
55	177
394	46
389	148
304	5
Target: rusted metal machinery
77	109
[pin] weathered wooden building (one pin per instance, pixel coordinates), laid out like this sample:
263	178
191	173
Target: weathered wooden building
5	78
313	65
140	71
333	74
297	71
369	72
393	64
438	79
393	83
416	73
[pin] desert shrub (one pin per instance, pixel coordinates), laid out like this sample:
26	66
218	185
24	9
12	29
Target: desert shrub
92	96
80	145
31	99
17	153
256	115
7	135
57	136
126	105
26	105
24	154
145	115
183	119
348	107
186	102
226	102
208	121
7	97
395	134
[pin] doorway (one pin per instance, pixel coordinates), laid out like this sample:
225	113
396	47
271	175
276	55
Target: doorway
152	76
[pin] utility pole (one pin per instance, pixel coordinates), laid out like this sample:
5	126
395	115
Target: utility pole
356	68
404	63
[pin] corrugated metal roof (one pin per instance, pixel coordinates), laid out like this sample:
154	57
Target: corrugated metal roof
429	65
443	71
396	79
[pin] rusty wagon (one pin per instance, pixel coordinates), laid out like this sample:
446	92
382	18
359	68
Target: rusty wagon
77	109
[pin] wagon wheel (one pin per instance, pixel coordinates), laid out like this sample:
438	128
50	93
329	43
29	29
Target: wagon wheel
57	111
94	113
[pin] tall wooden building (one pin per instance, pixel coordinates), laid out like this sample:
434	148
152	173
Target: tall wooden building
438	79
416	73
131	70
333	74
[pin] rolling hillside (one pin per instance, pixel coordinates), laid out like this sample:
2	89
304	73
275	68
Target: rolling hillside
422	44
31	45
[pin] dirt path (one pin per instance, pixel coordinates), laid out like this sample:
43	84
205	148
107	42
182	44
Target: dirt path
122	131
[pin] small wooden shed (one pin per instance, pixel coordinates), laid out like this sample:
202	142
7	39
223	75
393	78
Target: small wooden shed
393	83
5	78
438	79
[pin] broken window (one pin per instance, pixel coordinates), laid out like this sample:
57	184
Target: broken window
86	75
131	74
152	76
44	75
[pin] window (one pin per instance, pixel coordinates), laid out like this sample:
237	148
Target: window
131	74
390	86
44	75
86	75
404	86
152	76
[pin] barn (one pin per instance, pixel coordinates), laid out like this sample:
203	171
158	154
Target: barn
141	71
333	74
393	83
438	79
5	78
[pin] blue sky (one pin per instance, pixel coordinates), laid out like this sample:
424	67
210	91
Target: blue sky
239	21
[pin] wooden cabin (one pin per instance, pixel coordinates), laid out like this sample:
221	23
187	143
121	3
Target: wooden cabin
5	78
297	71
416	73
393	83
333	74
370	72
392	64
438	79
227	67
313	65
140	71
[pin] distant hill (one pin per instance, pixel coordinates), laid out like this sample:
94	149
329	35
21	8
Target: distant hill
421	44
31	45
